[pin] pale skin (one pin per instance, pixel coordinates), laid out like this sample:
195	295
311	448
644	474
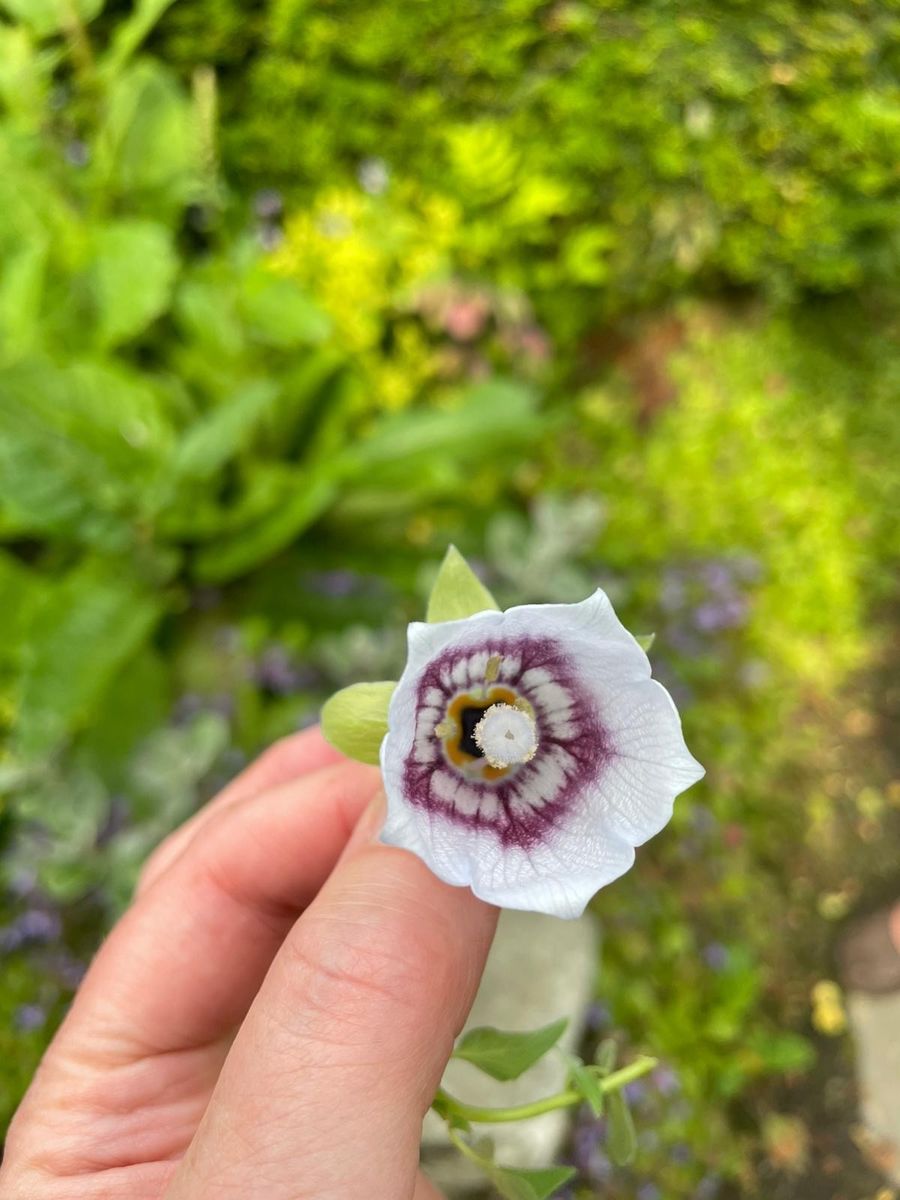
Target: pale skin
270	1018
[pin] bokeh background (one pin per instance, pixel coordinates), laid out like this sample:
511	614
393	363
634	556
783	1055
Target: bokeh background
294	292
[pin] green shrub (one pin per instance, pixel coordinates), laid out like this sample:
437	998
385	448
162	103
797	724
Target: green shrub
634	148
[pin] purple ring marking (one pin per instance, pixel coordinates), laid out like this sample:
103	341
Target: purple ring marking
587	745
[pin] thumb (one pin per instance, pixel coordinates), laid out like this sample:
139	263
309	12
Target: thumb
328	1080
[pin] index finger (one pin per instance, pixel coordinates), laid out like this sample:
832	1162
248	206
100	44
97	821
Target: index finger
332	1072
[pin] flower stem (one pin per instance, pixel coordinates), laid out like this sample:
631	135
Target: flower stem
521	1112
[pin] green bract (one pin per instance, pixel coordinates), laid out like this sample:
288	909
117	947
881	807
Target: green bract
457	591
354	720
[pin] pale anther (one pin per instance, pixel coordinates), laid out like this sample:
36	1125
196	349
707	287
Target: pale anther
506	735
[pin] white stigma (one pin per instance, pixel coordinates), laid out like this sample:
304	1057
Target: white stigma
506	735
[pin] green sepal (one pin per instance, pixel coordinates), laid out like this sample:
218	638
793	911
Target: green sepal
645	641
505	1055
457	591
355	721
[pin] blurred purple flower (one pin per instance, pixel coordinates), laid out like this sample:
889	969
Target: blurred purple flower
681	1153
275	672
37	925
585	1142
648	1191
336	584
597	1016
635	1092
666	1080
716	956
268	204
708	1188
28	1017
714	616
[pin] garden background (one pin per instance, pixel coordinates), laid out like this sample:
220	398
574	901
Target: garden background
294	292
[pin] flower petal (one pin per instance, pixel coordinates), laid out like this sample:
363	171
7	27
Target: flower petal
545	833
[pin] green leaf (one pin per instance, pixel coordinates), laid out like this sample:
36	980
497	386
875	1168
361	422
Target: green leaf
82	632
131	32
621	1138
221	433
354	720
132	272
21	289
515	1183
504	1055
279	313
457	591
146	142
645	641
605	1056
47	17
587	1084
77	447
497	414
236	555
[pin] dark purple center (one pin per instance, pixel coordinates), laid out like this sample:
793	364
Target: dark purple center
530	799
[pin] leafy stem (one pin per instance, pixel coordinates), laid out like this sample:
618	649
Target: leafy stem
448	1106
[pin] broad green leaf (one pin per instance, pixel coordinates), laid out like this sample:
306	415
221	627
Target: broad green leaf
21	288
47	17
497	416
224	431
132	271
457	591
80	448
131	32
516	1183
146	141
206	313
19	589
236	555
504	1055
645	641
354	720
81	633
621	1137
279	313
587	1084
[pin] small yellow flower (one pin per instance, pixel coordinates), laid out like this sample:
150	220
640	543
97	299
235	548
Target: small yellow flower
828	1013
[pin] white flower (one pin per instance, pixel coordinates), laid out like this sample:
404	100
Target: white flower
529	752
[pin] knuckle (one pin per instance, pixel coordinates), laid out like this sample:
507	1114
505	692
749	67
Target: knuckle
346	970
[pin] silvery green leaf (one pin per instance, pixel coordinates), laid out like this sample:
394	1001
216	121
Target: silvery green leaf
457	591
520	1184
505	1055
354	720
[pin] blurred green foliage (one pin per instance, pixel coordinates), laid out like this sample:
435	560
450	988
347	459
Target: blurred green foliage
294	293
631	148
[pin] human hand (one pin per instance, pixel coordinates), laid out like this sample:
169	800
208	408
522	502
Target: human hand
270	1018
